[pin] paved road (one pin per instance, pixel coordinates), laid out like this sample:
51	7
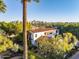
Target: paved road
17	57
1	57
76	56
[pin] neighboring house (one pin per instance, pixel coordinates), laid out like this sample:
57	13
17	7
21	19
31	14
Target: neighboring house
36	33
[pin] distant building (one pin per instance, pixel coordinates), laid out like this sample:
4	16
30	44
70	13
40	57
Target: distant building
36	33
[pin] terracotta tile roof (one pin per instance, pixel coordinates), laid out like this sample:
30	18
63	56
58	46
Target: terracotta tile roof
42	30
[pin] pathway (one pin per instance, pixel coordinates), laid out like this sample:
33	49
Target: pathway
76	56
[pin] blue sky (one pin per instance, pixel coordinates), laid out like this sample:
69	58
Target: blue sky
45	10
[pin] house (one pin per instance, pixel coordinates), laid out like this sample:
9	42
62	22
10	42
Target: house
36	33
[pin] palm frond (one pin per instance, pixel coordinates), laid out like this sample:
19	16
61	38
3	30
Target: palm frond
31	0
2	6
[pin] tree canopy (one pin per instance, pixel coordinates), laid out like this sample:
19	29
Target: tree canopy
2	6
6	44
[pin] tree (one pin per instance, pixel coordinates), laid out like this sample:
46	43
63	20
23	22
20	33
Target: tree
7	44
2	6
9	27
28	26
18	27
24	27
55	48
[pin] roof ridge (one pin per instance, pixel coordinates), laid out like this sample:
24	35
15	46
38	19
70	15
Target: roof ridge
42	29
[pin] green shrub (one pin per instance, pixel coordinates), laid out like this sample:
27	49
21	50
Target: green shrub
56	47
32	55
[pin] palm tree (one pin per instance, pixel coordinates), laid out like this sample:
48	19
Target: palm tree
24	27
2	6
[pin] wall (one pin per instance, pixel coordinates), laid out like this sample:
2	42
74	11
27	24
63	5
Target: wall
39	34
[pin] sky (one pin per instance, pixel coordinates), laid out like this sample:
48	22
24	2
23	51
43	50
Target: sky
45	10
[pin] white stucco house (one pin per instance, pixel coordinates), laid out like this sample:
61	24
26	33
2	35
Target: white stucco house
36	33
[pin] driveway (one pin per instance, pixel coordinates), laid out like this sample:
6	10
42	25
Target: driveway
75	56
17	57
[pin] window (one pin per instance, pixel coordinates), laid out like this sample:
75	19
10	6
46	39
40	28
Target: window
51	33
35	35
44	33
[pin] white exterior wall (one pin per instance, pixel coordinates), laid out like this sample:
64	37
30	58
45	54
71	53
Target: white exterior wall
54	32
39	34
